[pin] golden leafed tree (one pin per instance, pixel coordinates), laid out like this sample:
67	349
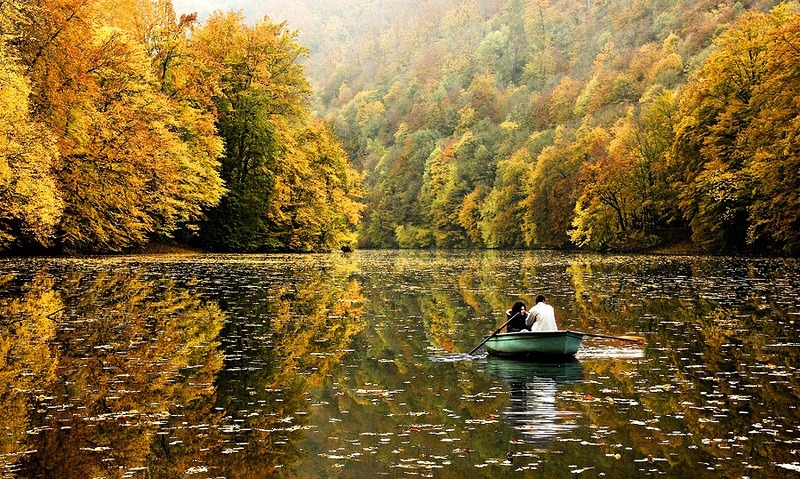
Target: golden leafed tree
138	154
734	145
30	205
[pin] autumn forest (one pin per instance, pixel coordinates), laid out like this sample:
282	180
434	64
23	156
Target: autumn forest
611	125
122	124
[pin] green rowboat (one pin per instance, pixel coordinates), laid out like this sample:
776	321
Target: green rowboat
534	345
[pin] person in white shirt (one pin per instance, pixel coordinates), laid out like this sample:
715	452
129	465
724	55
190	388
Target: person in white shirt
541	317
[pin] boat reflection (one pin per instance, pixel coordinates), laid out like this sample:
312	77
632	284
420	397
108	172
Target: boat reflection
533	410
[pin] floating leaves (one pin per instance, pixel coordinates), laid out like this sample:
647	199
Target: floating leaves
332	366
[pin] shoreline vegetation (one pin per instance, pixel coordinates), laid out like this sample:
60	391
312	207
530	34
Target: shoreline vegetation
605	125
611	125
186	249
124	124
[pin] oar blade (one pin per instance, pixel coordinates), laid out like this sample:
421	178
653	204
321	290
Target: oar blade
634	339
637	339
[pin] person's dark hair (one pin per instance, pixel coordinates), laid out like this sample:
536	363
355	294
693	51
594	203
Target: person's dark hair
517	307
540	299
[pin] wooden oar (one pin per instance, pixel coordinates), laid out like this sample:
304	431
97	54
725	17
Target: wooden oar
635	339
494	333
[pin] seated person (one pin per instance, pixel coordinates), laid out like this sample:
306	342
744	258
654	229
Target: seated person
542	317
517	315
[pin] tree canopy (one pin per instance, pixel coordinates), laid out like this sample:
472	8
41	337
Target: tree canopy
607	125
124	124
610	125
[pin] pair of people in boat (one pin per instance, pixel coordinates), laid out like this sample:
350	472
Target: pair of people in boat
541	317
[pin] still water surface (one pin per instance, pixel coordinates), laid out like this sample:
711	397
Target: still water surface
352	366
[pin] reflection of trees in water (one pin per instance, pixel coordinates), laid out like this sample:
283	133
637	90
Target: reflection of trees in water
280	344
723	369
712	321
129	357
135	384
130	372
26	361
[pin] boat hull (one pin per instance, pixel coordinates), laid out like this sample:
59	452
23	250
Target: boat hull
535	345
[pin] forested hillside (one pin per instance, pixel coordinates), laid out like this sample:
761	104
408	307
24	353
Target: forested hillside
122	123
605	124
608	124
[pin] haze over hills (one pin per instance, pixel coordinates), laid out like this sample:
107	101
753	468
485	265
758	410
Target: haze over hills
599	124
336	24
324	27
605	124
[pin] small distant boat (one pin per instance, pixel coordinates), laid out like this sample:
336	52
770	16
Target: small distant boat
535	345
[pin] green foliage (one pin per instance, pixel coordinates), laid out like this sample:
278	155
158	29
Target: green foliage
442	196
413	237
116	115
668	116
500	225
290	187
399	192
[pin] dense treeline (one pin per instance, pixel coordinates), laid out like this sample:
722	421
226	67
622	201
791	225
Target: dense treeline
121	124
608	124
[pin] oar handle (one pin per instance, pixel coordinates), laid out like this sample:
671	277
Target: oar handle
494	333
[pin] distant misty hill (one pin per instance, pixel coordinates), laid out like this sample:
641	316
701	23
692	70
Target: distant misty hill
600	124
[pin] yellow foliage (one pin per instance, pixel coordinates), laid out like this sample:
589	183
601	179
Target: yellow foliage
30	206
27	358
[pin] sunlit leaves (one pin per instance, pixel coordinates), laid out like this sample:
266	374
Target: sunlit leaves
729	143
120	141
289	183
30	205
122	112
181	74
130	164
331	191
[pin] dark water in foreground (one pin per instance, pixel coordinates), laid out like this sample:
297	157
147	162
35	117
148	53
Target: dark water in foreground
353	366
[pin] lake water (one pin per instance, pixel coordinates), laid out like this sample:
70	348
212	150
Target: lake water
354	366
